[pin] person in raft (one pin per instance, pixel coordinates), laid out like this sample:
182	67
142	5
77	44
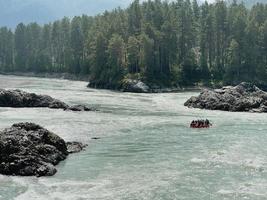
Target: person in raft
200	124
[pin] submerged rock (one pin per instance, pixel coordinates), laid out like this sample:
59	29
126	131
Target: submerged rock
75	147
21	99
244	97
27	149
95	138
78	108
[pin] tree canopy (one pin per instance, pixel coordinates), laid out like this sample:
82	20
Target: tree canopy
179	42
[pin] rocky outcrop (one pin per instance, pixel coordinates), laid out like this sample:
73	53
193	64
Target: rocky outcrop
135	86
244	97
21	99
27	149
18	98
127	85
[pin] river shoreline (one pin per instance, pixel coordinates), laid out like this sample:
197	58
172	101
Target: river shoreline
64	76
85	78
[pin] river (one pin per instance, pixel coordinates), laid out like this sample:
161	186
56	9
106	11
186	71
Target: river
146	150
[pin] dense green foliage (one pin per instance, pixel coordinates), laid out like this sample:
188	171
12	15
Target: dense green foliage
172	43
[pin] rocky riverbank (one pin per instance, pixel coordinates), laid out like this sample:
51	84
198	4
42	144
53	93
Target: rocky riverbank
128	85
244	97
20	99
134	86
27	149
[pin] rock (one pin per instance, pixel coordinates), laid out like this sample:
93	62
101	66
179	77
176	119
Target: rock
135	86
18	99
95	138
244	97
27	149
75	147
79	108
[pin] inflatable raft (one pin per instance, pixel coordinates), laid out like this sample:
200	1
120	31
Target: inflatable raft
200	124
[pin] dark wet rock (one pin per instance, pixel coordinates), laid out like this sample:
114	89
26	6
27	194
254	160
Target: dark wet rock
27	149
135	86
75	147
95	138
79	108
18	99
21	99
244	97
127	85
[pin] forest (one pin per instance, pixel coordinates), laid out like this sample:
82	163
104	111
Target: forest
166	43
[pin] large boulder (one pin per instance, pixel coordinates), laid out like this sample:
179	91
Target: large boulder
27	149
135	86
21	99
244	97
18	98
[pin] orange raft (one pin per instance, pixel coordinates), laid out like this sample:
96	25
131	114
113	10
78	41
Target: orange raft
200	124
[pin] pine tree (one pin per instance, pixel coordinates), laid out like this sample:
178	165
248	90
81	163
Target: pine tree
133	55
33	35
147	52
116	59
220	37
77	45
99	59
20	47
205	44
134	18
233	69
6	49
45	49
65	52
56	47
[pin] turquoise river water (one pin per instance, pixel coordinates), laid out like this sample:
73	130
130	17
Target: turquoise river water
146	150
